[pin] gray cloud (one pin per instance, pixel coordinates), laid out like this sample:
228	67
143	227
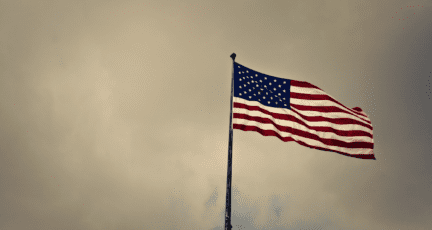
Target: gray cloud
119	120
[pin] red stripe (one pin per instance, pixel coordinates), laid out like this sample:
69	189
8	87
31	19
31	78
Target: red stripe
287	139
324	97
344	133
303	84
330	142
329	109
337	121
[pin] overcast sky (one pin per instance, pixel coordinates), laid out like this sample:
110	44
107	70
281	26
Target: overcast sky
115	114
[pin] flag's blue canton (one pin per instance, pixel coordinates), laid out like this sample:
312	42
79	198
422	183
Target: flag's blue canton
267	90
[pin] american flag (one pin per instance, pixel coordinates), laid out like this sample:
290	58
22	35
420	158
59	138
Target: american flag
301	112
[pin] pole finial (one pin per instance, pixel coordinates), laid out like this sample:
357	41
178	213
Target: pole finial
233	56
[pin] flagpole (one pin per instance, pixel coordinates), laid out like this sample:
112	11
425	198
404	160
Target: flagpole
228	225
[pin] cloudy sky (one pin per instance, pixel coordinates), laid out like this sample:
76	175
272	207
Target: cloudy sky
115	114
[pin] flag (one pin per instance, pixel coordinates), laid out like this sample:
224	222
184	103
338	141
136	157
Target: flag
299	111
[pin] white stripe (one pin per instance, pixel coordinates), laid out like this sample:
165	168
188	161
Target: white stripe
314	91
306	129
329	115
312	142
326	103
307	113
295	125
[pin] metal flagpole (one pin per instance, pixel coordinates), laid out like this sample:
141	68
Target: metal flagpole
228	225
